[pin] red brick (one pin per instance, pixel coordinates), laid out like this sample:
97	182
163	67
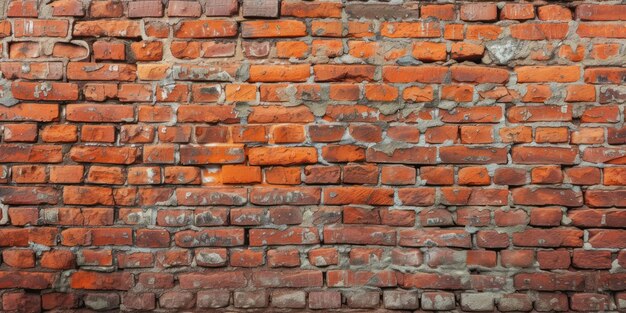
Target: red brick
479	12
475	175
538	31
68	8
476	32
30	153
40	28
19	258
22	8
590	302
24	50
604	75
147	50
221	7
27	112
429	52
556	237
111	155
614	30
322	28
474	196
590	259
283	175
456	32
315	10
327	48
442	12
345	73
69	51
471	155
591	12
554	13
534	74
264	73
476	134
517	258
604	51
142	301
422	74
359	235
384	93
285	196
20	132
111	28
604	155
466	51
525	114
432	281
107	8
184	8
205	29
428	29
514	11
282	156
103	281
445	238
492	239
145	8
324	300
349	278
267	29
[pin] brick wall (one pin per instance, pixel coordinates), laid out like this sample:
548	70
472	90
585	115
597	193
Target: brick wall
302	155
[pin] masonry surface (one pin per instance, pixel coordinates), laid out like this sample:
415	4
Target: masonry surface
388	156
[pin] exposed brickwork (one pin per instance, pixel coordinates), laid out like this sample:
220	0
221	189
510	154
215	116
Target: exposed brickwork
297	155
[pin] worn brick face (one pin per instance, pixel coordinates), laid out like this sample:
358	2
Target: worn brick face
300	155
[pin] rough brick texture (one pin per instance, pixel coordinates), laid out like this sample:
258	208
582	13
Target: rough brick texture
335	155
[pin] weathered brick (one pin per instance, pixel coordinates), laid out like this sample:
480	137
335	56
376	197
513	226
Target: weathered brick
145	8
267	29
106	8
102	281
40	28
295	137
479	12
205	29
428	29
277	73
123	29
256	8
534	74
